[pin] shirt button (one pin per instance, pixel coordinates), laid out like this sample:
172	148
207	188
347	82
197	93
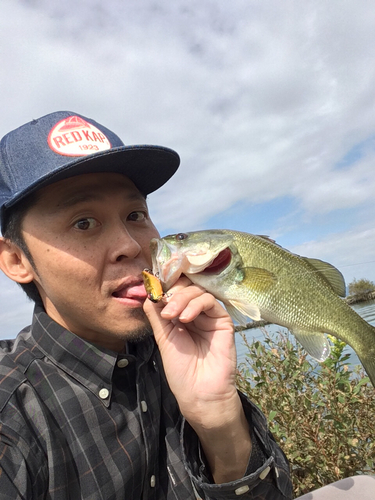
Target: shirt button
241	490
144	406
264	473
152	481
122	363
103	393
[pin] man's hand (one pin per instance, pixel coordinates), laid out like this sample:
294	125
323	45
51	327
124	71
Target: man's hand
195	336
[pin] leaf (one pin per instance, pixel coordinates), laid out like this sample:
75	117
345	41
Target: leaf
272	415
316	431
364	381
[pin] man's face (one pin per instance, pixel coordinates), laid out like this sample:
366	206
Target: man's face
89	237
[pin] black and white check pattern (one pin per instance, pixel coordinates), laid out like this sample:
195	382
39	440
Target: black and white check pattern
79	422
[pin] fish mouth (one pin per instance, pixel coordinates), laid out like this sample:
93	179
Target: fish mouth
168	264
220	262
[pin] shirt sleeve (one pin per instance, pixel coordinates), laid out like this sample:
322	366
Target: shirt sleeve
267	475
21	473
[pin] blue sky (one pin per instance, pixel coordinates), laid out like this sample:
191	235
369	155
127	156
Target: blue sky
271	106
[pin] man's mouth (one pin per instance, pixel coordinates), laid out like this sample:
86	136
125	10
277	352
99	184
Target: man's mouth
134	292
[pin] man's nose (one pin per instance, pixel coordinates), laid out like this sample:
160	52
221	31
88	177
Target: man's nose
125	246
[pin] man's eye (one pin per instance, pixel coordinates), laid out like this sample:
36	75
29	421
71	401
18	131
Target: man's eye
84	224
137	216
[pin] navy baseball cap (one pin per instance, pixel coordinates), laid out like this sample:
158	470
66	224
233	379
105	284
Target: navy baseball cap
64	144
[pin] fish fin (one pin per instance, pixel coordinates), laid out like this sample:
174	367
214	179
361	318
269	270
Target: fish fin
258	279
264	237
236	315
247	310
315	343
332	275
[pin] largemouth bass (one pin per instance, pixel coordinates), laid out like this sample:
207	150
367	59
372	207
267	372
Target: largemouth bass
256	278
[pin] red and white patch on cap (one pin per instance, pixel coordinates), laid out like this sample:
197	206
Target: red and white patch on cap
74	136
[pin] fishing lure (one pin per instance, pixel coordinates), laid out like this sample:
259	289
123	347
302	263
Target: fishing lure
153	286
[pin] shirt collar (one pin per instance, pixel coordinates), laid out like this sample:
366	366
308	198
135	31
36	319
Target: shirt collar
91	365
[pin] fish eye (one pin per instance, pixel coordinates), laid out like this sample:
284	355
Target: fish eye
181	236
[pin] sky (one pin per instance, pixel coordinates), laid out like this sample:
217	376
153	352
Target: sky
270	104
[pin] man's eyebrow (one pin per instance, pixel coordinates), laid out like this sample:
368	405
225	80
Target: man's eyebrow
84	197
76	199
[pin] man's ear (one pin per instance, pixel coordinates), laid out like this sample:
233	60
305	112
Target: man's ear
14	263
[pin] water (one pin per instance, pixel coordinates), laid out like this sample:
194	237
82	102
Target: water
364	309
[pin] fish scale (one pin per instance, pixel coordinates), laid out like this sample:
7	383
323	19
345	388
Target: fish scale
262	280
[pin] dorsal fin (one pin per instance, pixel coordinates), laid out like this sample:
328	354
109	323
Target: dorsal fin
332	275
264	237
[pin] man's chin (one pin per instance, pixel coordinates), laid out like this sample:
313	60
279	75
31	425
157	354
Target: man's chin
138	335
142	331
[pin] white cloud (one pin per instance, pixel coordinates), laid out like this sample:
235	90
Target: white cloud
352	252
261	99
15	308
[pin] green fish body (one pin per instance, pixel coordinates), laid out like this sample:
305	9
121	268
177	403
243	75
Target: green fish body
256	278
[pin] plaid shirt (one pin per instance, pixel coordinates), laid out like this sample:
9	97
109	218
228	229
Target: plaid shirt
81	422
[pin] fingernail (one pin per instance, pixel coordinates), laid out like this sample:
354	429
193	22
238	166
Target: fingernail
169	310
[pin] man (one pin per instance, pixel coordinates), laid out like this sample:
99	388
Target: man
108	395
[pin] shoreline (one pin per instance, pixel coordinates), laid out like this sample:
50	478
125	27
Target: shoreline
360	297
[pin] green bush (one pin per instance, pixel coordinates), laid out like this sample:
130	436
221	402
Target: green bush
358	287
321	414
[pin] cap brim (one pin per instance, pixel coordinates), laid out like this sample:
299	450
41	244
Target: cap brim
149	167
